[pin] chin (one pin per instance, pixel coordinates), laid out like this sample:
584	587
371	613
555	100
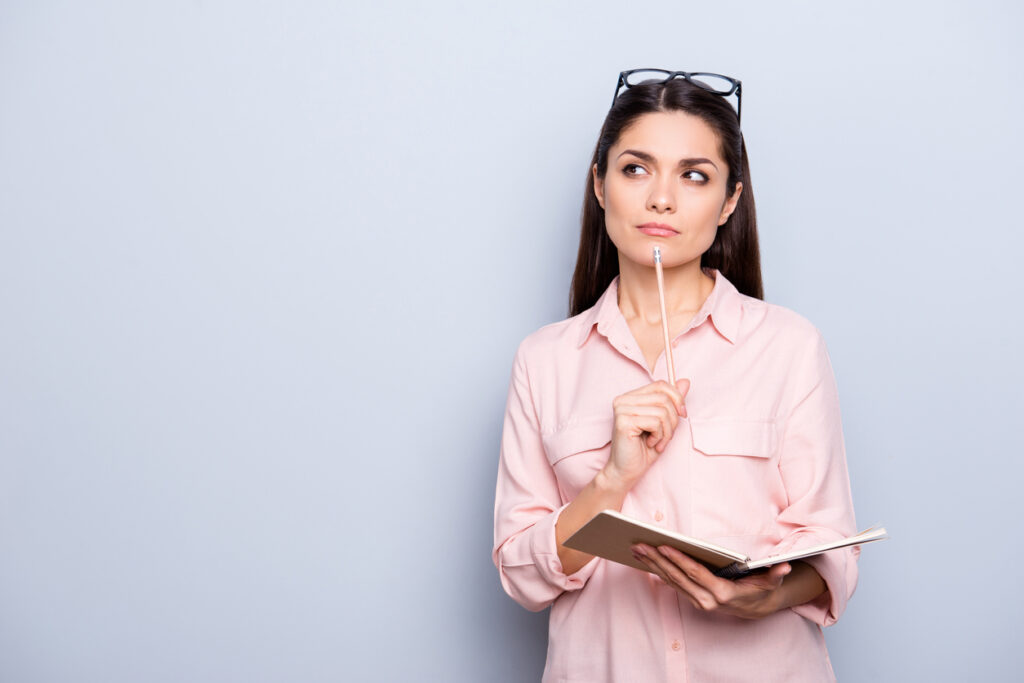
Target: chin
676	251
641	256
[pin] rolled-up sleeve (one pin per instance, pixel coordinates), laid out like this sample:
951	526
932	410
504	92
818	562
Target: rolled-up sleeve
814	472
527	505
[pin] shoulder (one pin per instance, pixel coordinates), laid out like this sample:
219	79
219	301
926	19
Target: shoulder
796	343
779	323
787	341
552	342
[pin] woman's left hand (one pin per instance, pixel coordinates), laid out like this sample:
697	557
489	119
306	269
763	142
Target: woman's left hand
752	597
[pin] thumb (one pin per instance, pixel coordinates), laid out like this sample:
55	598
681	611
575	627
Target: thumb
779	571
683	385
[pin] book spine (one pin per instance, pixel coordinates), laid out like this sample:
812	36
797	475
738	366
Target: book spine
733	571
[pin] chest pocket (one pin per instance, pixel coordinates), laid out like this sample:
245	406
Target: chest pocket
578	451
755	439
736	489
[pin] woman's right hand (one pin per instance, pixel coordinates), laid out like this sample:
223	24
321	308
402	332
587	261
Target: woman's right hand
645	420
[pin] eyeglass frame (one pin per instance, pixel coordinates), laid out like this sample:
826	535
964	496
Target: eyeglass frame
737	85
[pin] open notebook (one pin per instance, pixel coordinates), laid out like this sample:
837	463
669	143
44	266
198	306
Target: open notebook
609	534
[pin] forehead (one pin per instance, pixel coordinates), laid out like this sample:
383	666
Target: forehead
669	136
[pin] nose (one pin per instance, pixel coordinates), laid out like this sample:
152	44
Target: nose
662	198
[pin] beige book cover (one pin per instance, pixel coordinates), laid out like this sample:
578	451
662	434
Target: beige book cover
609	534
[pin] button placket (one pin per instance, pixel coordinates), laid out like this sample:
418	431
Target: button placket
622	339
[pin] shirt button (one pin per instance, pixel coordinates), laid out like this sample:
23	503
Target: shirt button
676	645
658	516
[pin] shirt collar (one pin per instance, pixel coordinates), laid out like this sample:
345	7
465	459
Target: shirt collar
724	306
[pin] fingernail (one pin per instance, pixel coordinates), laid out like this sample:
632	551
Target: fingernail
637	550
638	557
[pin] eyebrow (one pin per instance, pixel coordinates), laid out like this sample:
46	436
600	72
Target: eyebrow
688	161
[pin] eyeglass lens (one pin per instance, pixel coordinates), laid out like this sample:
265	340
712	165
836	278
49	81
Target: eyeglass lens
713	82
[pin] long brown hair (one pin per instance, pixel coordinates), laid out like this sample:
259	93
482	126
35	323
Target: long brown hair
735	250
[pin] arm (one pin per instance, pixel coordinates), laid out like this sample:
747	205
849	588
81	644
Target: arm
813	468
602	493
530	520
645	420
526	505
752	597
799	586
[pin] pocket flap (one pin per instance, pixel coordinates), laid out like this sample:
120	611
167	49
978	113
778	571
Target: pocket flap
586	435
724	436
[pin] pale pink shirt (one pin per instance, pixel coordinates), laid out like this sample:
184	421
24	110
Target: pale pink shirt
759	466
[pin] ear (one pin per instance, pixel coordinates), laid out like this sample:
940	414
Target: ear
730	204
598	186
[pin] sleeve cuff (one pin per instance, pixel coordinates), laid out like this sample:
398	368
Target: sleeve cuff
535	578
544	548
838	569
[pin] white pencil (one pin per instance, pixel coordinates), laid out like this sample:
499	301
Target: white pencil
664	316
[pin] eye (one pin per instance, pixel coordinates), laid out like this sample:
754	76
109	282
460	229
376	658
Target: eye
628	169
695	176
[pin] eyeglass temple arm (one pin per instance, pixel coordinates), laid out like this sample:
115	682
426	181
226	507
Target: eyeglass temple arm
618	86
739	103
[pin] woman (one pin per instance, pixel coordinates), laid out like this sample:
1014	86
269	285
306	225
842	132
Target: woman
746	450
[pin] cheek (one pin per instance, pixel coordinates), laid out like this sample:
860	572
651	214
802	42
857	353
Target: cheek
618	197
704	215
619	209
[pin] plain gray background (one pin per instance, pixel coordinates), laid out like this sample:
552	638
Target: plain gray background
264	265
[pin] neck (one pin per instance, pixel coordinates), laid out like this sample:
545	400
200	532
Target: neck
686	289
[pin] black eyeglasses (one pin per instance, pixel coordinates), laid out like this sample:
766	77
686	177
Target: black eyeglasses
716	83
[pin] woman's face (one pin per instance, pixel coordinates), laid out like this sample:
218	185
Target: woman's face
665	186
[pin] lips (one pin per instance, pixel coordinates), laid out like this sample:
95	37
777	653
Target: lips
657	230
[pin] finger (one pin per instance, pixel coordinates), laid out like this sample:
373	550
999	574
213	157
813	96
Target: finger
669	420
657	411
654	391
649	419
720	589
650	398
672	393
677	392
635	425
666	409
706	600
674	397
656	570
767	580
684	388
778	572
